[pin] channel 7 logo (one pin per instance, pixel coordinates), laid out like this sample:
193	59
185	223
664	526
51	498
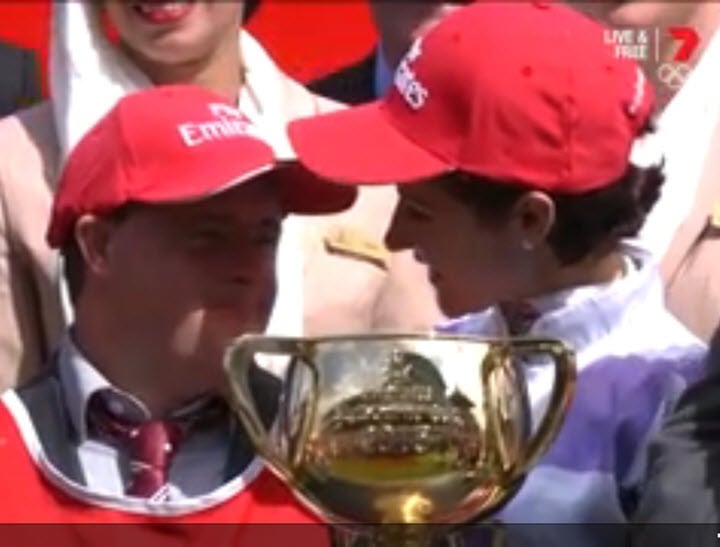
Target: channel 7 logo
674	73
688	41
644	44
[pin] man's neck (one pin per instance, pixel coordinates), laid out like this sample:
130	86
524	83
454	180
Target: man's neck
128	368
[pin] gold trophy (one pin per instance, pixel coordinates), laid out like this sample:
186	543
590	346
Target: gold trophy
377	432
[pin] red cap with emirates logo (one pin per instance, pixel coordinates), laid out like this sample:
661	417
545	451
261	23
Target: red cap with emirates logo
172	144
522	92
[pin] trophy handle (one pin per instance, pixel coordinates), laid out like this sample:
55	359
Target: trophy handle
239	358
560	396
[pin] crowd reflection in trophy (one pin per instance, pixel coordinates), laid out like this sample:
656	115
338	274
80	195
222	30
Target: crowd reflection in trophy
374	437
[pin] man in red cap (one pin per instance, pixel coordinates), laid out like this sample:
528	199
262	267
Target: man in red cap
168	213
509	132
189	42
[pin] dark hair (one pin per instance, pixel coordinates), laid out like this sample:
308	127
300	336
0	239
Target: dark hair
249	9
586	224
73	260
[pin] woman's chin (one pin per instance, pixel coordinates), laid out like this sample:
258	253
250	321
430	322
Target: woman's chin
455	306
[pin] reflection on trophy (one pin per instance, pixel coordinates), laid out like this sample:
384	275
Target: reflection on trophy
377	432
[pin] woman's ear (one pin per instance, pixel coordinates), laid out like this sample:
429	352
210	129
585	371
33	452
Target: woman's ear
533	217
92	235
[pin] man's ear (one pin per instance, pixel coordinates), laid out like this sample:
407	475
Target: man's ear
92	235
534	215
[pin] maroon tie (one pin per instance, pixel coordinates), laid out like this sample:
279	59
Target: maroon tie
151	444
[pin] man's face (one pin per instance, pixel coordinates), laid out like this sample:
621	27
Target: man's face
472	264
174	32
184	280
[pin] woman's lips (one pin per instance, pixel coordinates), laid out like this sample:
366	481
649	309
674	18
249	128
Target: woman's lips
162	12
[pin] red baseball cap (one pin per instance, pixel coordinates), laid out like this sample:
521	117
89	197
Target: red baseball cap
521	92
173	144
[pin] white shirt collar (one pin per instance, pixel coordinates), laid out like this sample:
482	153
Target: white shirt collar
580	316
80	380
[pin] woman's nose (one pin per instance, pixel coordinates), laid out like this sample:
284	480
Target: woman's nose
397	237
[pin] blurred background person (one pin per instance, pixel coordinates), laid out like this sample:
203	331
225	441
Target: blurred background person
398	24
681	502
199	43
683	228
19	79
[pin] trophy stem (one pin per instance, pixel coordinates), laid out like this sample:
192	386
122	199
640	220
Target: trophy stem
418	535
387	535
402	535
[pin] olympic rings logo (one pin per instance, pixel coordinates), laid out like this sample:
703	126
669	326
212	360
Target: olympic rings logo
673	75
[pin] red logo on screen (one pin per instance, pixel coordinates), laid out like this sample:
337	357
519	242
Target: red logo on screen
688	40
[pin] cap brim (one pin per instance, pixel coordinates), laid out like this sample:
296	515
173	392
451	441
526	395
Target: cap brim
301	191
305	193
361	146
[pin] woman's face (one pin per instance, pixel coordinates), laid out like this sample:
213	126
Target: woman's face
174	33
472	263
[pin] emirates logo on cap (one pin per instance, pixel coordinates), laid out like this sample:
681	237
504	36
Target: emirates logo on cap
228	123
406	81
638	93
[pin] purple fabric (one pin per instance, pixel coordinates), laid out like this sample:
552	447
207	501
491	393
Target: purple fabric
617	400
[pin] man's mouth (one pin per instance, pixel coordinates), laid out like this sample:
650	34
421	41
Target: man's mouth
162	12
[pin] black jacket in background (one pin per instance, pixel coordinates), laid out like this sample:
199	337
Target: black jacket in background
353	84
19	79
681	499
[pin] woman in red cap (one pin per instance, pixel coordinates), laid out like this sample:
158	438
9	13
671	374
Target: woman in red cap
521	149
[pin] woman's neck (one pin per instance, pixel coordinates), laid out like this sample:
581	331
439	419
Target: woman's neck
222	72
595	270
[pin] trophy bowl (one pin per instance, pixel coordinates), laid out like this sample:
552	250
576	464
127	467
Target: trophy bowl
386	429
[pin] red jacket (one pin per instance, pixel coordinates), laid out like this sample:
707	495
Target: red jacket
34	492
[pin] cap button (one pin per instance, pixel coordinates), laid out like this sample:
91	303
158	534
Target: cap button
541	5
